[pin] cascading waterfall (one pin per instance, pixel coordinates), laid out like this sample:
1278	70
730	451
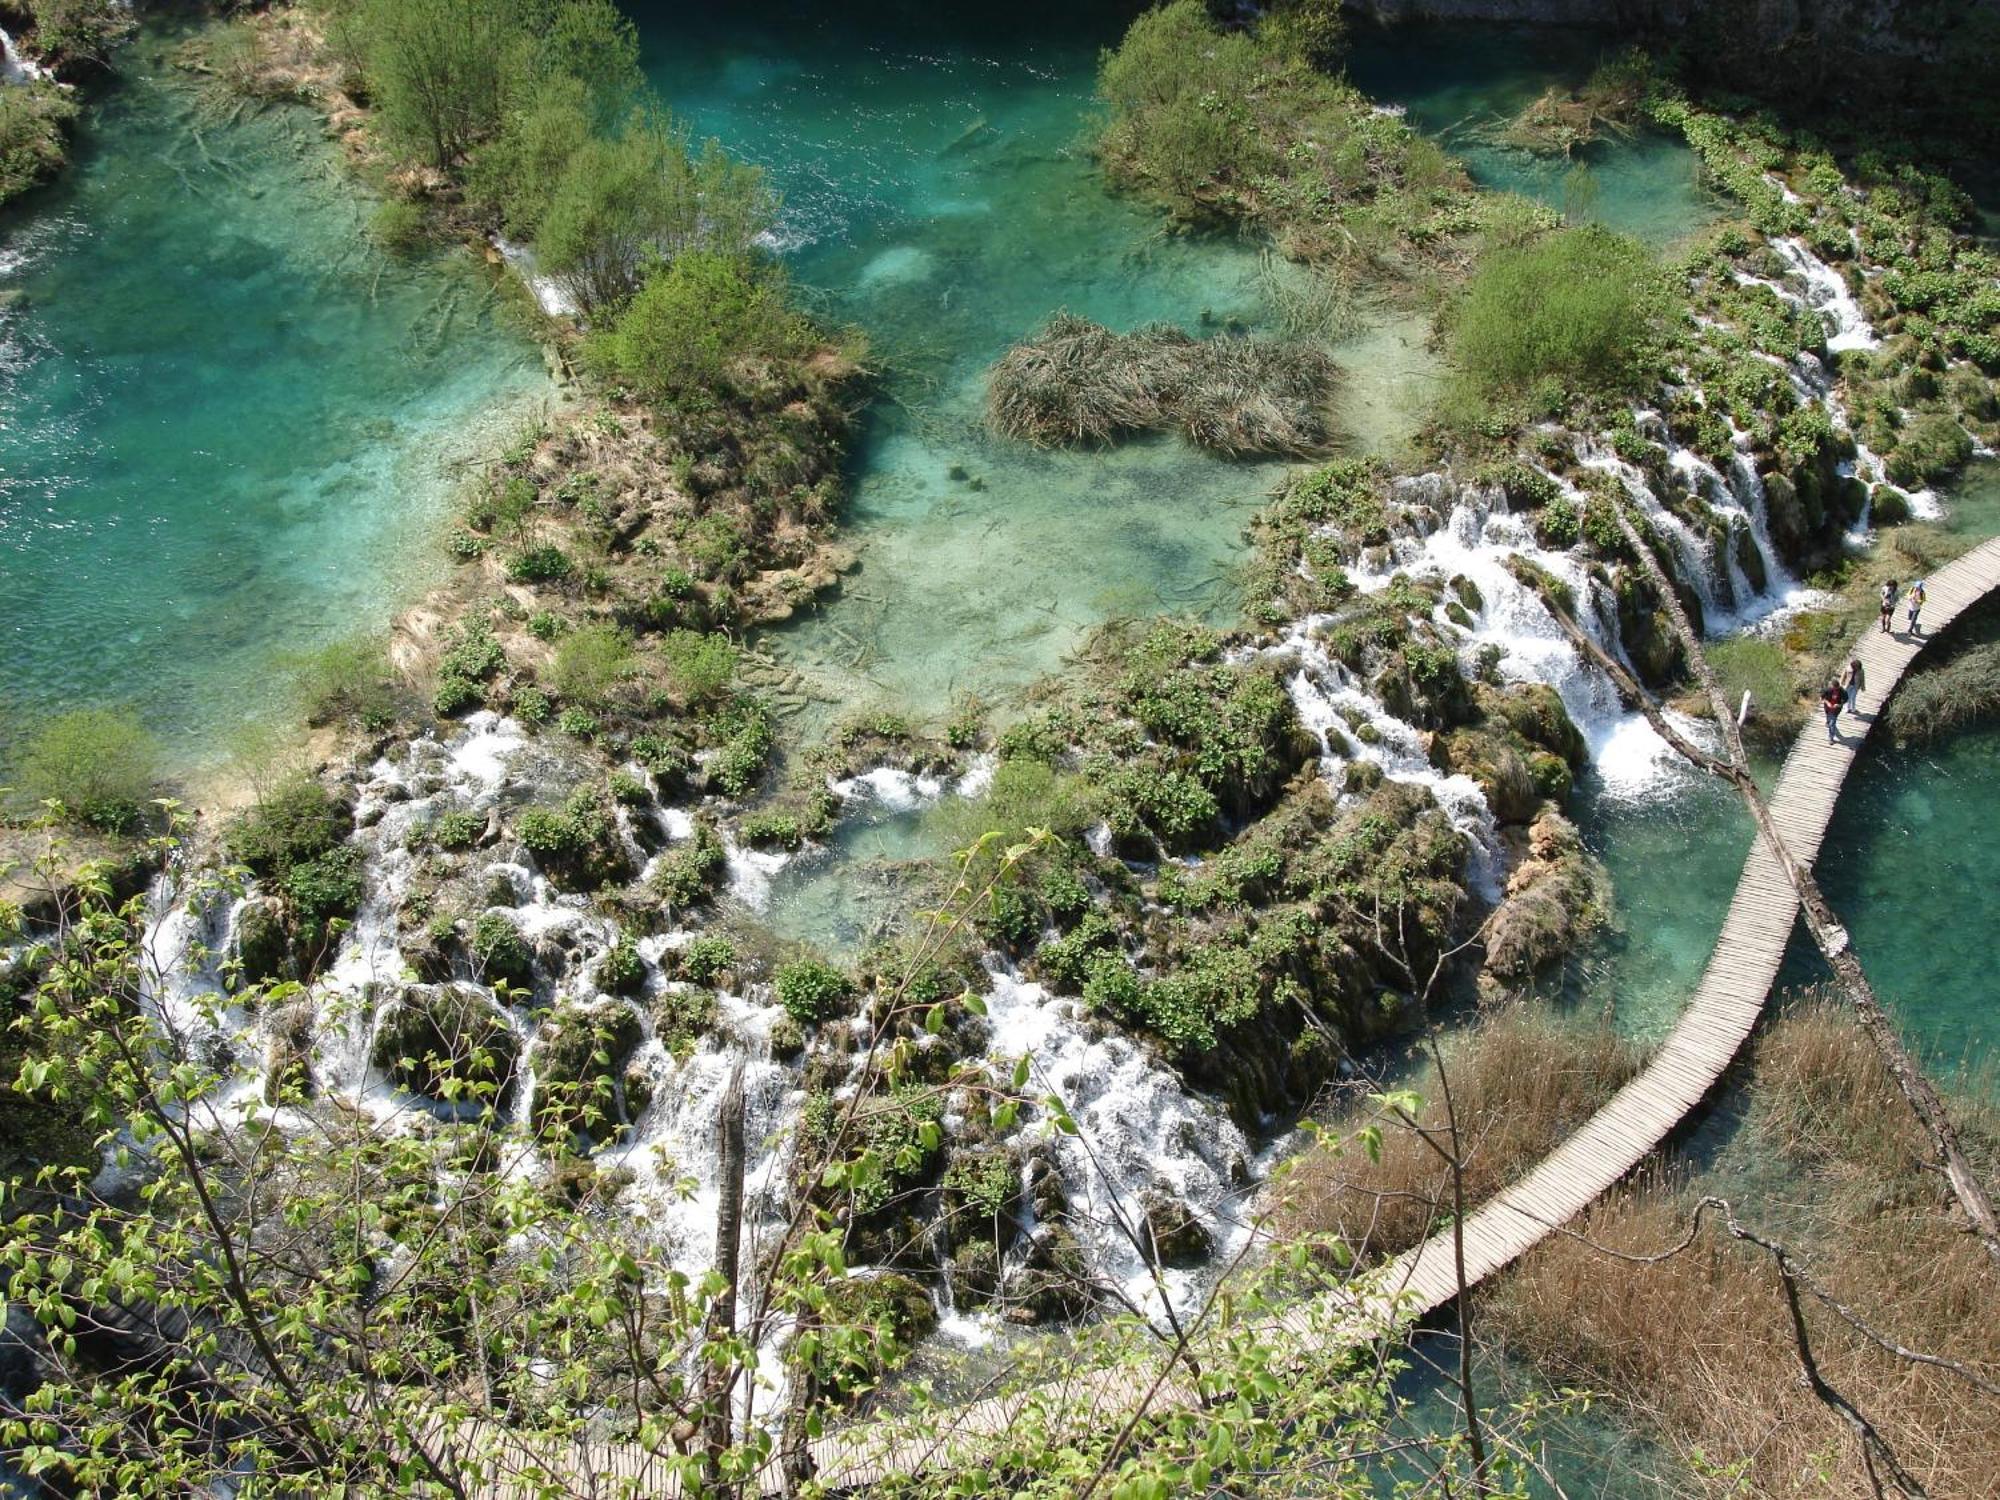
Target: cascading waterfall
1143	1130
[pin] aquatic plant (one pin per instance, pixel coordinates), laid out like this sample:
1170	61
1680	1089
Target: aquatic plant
811	990
1077	382
1940	699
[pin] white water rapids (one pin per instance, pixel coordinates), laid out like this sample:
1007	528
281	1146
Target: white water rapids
1142	1129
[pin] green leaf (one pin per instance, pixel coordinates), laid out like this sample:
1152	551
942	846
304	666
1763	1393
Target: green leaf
1021	1072
973	1003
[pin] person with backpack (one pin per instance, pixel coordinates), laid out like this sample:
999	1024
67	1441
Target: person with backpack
1832	700
1916	598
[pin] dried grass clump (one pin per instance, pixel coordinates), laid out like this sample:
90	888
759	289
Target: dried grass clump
1521	1081
1077	382
1699	1346
1939	701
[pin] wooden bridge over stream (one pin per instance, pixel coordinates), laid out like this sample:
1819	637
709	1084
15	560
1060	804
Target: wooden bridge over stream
1687	1066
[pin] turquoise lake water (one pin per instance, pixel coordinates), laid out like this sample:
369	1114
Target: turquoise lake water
226	422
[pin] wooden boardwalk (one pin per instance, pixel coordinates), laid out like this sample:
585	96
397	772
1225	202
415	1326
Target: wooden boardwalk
1703	1043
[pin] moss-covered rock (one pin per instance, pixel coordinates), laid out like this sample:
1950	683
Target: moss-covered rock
585	1086
447	1041
1170	1233
263	941
1053	1283
1556	896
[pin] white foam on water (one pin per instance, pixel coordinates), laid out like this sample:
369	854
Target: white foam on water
1140	1129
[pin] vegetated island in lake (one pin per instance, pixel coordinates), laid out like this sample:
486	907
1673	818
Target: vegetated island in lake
466	1089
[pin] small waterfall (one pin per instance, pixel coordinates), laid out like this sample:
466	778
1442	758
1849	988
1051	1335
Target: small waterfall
1826	292
16	69
1142	1130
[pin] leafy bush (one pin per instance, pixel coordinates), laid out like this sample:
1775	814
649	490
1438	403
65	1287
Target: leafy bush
745	731
544	564
767	830
545	625
578	722
456	829
1580	307
706	958
499	952
812	991
688	873
398	226
456	695
348	682
1931	448
100	764
588	662
692	321
626	202
622	971
700	667
296	821
323	890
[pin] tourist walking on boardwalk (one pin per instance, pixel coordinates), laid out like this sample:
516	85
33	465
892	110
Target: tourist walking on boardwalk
1888	604
1854	680
1832	700
1916	597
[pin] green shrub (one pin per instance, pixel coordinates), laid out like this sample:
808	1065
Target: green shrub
625	202
588	662
499	953
693	320
812	991
622	971
700	667
688	873
296	821
456	829
457	695
1580	307
531	706
1109	985
706	958
348	682
100	764
577	722
545	625
773	829
399	227
323	890
544	564
745	731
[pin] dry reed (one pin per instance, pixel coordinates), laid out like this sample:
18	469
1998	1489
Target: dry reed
1077	382
1521	1081
1699	1346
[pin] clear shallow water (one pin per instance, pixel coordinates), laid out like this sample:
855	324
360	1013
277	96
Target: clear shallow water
939	192
1456	79
1912	863
226	422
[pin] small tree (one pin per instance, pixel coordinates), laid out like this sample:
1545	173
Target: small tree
694	318
100	764
624	202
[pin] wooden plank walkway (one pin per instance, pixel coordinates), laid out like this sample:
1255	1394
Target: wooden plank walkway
1703	1043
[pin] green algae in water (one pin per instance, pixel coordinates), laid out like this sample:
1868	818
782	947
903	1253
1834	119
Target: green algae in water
227	424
